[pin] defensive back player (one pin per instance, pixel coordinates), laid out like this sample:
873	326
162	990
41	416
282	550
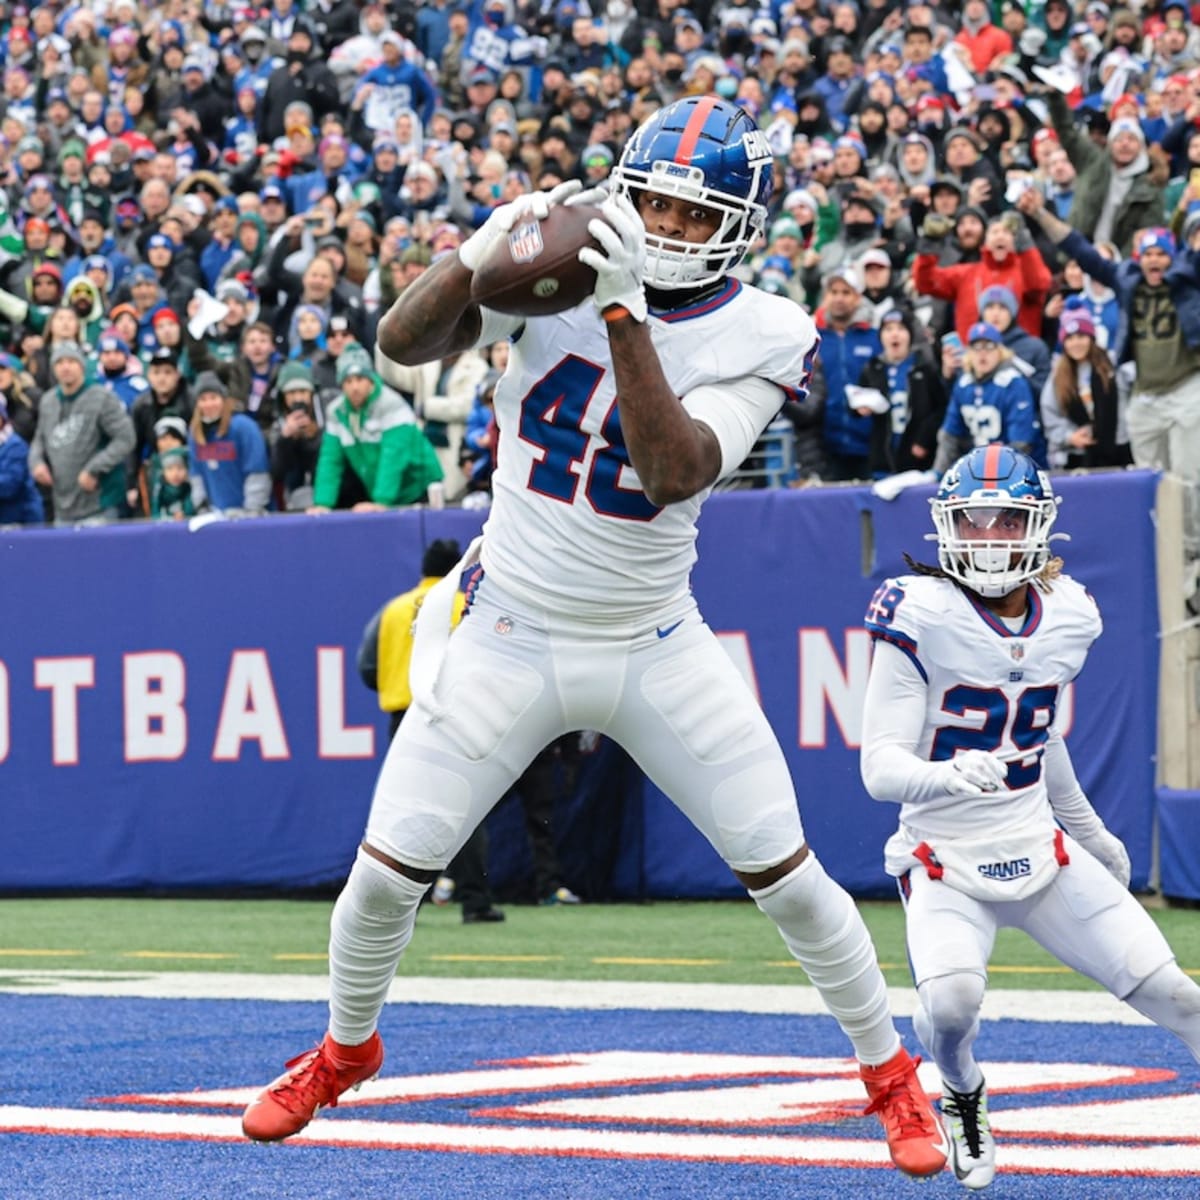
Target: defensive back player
615	420
970	662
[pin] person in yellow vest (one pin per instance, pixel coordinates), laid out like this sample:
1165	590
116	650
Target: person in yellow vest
385	651
383	659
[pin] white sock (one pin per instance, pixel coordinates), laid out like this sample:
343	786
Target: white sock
826	935
1170	999
372	925
947	1022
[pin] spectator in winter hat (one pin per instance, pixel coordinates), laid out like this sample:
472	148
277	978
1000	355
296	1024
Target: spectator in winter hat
1120	188
160	416
82	460
989	381
1031	356
859	232
228	452
1080	401
849	158
365	470
962	148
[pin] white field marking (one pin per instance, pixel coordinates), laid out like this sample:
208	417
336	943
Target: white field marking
545	1072
394	1135
1141	1160
820	1082
1092	1159
797	999
1137	1139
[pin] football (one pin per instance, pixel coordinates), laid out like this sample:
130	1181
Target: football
536	271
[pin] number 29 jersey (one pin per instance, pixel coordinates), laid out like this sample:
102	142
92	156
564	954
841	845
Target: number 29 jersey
570	527
987	687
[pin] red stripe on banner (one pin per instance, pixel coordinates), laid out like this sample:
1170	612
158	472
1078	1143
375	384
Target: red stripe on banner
991	463
693	129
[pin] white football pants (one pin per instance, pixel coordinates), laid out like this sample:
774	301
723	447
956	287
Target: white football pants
513	680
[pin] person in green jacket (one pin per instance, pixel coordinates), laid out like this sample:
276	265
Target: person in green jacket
373	432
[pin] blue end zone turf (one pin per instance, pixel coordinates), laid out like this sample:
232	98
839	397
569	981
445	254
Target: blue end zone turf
617	1079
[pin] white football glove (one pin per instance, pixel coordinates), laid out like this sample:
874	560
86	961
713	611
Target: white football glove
619	269
972	773
1111	852
502	219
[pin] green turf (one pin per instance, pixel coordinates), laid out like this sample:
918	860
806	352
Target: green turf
718	942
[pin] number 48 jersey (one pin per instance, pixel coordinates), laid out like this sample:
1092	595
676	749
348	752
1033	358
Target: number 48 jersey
987	687
570	527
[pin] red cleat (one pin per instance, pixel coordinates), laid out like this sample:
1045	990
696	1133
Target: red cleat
915	1136
312	1082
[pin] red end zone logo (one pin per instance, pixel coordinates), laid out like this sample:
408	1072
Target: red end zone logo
696	1107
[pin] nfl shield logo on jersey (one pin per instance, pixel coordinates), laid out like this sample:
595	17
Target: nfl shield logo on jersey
1018	651
525	242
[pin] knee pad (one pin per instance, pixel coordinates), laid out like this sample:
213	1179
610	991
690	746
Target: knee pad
953	1002
809	908
380	892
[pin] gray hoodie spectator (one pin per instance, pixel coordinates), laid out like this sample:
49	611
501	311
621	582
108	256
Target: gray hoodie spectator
83	437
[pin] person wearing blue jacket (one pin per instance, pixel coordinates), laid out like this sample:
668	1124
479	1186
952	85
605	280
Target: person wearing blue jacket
392	86
990	402
20	501
230	471
848	342
998	306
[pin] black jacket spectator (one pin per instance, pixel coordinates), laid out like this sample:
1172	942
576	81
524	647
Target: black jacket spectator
926	408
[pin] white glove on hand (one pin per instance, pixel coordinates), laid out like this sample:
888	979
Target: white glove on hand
972	773
500	223
619	269
1111	852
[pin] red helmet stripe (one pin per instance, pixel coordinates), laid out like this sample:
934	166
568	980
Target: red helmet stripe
693	129
991	463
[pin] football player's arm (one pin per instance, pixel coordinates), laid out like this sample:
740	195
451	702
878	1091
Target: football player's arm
736	411
674	455
433	318
893	721
1074	811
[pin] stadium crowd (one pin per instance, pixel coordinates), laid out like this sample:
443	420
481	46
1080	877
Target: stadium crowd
992	210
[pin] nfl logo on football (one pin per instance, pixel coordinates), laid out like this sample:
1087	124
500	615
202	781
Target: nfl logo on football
525	242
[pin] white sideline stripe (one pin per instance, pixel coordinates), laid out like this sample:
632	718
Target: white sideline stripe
1139	1160
796	1000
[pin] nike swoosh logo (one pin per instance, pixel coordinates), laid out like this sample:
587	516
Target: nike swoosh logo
670	629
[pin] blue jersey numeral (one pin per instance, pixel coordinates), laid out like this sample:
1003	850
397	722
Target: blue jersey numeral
1032	715
551	415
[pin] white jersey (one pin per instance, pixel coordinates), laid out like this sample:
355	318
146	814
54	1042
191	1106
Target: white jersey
570	527
980	686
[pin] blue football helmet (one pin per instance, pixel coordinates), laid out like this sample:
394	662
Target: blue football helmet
994	490
704	149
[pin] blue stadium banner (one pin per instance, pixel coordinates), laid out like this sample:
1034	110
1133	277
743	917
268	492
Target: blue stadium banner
180	709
